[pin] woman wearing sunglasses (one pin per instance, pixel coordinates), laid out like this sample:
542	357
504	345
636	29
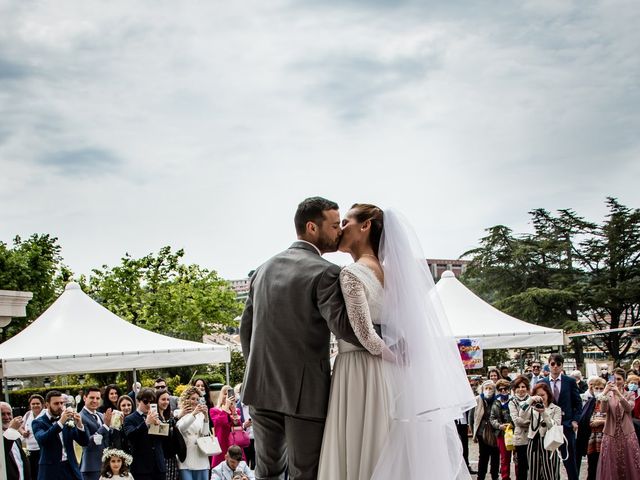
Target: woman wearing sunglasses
500	419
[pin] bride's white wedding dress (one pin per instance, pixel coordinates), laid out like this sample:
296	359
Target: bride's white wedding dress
396	420
357	423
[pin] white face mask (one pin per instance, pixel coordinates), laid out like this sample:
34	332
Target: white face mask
598	395
488	393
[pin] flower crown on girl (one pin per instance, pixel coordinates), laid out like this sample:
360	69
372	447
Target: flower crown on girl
114	452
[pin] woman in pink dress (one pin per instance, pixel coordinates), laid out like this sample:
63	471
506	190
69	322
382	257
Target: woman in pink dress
620	452
224	416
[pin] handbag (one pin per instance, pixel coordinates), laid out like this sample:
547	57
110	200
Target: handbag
508	439
239	437
209	445
489	436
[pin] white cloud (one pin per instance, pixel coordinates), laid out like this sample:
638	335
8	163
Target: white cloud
203	126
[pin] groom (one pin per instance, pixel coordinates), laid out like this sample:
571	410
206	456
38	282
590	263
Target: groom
294	300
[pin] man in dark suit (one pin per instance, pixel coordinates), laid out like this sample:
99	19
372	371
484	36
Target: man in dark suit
14	456
567	397
148	455
97	427
294	302
56	437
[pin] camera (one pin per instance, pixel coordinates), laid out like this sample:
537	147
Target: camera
538	405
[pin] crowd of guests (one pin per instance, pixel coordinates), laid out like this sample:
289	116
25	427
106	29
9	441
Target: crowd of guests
147	434
598	419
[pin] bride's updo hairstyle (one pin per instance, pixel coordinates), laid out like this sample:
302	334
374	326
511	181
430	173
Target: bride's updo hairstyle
366	211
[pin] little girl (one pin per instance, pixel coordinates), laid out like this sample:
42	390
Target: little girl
115	464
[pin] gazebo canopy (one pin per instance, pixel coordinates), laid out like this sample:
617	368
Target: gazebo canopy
472	317
78	335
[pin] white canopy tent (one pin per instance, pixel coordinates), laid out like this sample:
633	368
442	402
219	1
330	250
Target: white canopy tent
472	317
76	334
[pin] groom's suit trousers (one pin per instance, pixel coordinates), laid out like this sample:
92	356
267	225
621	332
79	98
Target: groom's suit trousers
285	440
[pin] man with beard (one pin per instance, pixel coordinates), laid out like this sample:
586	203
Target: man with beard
294	302
55	432
14	457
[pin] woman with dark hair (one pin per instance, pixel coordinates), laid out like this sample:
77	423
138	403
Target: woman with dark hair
494	375
520	388
620	452
542	415
110	397
166	416
203	387
117	438
353	443
36	404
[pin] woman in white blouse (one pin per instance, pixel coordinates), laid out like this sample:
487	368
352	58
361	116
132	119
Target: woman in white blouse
193	423
36	404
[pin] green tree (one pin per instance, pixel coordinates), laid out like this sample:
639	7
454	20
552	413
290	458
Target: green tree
33	265
567	270
159	293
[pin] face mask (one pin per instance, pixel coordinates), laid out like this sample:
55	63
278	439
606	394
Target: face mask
488	394
598	395
633	387
503	396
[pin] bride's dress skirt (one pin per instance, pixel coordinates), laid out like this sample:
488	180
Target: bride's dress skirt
358	418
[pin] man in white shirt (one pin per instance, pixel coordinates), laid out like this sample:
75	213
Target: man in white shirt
536	373
14	457
233	467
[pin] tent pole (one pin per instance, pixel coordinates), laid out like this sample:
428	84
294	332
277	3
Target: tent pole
5	387
3	470
135	379
226	371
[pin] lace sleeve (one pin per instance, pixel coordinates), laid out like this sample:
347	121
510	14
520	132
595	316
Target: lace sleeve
358	312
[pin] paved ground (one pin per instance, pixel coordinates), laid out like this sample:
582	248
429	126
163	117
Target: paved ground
473	459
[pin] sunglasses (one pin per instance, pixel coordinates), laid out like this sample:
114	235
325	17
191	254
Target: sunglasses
503	389
536	367
146	401
554	364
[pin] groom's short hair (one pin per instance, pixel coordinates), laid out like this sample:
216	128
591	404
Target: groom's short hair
311	210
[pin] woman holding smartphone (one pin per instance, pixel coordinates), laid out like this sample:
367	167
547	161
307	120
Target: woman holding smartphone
620	452
193	424
224	416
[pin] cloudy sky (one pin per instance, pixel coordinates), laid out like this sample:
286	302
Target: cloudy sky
129	125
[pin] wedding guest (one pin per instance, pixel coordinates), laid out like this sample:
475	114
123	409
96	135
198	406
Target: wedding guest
589	393
582	385
109	398
115	464
98	428
146	449
590	427
565	395
493	375
192	425
161	384
546	371
224	416
17	465
635	368
232	463
536	373
55	432
117	438
542	415
520	388
247	426
166	416
36	407
483	433
203	387
500	420
504	373
620	452
79	400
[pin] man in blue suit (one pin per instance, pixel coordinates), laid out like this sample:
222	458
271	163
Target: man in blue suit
55	437
148	455
567	397
97	426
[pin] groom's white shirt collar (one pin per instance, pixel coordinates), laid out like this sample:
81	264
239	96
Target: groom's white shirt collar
317	249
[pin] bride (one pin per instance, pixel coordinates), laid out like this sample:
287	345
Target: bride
393	402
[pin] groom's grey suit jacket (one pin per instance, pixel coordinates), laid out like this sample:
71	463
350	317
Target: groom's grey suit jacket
294	300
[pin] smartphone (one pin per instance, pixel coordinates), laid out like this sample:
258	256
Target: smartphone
202	401
612	378
154	407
